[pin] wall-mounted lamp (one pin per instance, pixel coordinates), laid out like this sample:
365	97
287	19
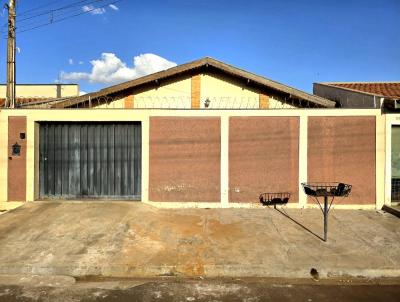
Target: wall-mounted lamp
207	103
16	149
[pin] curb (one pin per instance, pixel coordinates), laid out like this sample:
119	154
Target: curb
391	210
45	276
37	280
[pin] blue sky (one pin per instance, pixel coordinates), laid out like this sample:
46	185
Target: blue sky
293	42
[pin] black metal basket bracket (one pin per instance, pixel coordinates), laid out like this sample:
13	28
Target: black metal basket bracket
326	190
274	199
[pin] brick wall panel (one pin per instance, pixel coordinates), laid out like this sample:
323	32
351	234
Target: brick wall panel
184	159
16	186
263	157
343	149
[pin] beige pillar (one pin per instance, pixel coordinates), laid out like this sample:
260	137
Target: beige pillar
129	101
380	161
303	158
145	157
224	161
4	158
263	101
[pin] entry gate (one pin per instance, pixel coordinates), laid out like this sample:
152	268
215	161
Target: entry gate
100	160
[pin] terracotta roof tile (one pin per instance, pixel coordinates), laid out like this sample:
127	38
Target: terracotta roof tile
386	89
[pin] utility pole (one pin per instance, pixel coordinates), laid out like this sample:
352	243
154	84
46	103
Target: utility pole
10	96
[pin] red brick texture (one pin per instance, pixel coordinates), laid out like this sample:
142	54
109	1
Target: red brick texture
263	157
16	186
184	159
343	149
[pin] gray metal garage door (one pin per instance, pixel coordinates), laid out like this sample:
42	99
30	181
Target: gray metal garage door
90	160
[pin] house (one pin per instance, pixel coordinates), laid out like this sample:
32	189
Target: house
189	86
201	134
28	93
360	94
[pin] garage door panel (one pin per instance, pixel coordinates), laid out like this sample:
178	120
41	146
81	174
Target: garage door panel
117	163
124	167
90	160
83	159
42	163
58	160
74	161
64	159
111	152
137	159
50	162
104	160
97	162
133	167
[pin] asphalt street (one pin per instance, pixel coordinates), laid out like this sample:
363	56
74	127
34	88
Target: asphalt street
209	290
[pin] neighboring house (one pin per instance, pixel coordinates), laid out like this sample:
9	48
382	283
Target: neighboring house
201	134
28	93
360	94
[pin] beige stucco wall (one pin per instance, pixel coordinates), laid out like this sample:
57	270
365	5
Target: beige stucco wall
223	92
173	95
4	155
107	103
46	91
390	121
276	103
37	115
227	93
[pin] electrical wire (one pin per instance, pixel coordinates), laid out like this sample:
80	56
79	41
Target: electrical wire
50	18
50	12
52	21
38	7
80	3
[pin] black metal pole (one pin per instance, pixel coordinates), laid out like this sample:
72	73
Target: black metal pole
325	218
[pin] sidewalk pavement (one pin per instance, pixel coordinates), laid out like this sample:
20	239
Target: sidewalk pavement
125	239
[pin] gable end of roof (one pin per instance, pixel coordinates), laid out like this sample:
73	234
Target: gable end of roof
194	66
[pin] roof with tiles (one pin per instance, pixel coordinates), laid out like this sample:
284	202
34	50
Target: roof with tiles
200	65
385	89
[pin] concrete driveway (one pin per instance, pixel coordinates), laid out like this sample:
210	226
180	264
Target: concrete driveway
123	239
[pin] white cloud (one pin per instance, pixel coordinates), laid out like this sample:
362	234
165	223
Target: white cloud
18	49
109	69
114	7
82	92
93	10
81	63
71	61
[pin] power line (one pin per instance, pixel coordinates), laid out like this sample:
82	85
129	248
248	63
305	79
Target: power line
49	18
81	2
68	17
38	7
